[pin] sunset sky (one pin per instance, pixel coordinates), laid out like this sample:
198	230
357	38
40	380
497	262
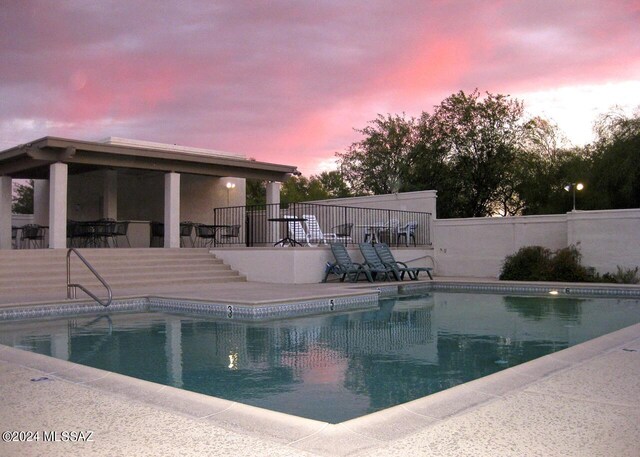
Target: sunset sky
288	81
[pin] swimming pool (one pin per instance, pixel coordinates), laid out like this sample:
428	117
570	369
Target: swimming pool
333	367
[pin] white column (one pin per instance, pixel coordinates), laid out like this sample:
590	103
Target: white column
41	201
58	205
172	210
273	208
173	350
110	195
5	212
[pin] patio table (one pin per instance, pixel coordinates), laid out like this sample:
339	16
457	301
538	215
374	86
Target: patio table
287	239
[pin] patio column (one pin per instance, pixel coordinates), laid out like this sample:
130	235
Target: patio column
5	212
172	210
273	206
110	195
58	174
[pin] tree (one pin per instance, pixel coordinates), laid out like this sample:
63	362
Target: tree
300	189
334	184
377	164
256	192
615	178
478	139
22	199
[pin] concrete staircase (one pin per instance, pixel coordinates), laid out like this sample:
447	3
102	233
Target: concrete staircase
34	272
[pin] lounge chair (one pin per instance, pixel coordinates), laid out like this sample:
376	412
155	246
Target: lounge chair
375	265
344	266
314	232
401	268
296	234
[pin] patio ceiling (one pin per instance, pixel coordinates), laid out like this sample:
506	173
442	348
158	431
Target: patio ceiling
32	160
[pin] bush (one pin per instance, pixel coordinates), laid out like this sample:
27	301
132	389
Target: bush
530	263
565	266
536	263
622	276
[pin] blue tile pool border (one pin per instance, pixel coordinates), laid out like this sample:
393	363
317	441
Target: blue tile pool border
326	305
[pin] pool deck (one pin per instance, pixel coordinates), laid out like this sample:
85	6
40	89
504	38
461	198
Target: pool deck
582	401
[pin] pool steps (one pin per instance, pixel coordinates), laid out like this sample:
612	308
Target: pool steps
121	268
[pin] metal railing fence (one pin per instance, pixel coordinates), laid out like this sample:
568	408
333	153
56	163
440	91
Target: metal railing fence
349	225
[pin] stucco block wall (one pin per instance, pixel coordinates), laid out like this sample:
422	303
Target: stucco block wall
606	239
476	247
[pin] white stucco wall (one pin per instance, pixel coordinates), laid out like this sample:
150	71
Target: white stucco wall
606	239
476	247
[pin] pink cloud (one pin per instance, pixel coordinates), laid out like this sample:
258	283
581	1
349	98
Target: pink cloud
287	81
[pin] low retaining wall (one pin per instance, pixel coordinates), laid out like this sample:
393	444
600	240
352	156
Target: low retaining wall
305	265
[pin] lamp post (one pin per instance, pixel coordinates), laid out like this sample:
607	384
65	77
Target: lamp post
573	187
230	186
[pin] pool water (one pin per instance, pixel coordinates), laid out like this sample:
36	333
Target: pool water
332	367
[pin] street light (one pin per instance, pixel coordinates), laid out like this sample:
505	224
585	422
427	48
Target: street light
230	186
573	187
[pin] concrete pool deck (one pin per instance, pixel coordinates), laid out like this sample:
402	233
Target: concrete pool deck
581	401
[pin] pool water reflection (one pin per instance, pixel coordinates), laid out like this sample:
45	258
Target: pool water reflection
335	367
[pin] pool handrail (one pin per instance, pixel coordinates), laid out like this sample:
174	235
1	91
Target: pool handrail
72	288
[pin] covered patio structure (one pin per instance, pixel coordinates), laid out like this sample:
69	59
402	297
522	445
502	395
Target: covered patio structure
126	179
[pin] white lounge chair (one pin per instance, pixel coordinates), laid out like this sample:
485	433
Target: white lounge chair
314	232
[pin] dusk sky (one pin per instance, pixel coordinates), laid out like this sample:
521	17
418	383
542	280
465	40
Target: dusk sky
288	81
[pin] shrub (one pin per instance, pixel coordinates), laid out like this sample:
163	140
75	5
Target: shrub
530	263
622	276
565	266
536	263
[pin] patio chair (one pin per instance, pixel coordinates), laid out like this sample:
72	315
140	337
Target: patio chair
408	231
343	232
14	237
32	236
314	232
344	266
206	235
230	232
375	265
157	233
122	229
186	228
401	268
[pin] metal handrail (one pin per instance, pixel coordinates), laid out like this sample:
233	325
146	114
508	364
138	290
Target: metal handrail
72	288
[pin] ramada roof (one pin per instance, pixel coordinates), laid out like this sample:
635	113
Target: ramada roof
32	160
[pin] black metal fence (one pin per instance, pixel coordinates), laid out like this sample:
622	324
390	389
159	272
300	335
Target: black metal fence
310	224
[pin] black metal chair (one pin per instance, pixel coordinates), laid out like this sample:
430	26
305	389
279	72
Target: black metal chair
343	232
14	237
157	233
32	236
121	230
186	228
233	231
206	235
